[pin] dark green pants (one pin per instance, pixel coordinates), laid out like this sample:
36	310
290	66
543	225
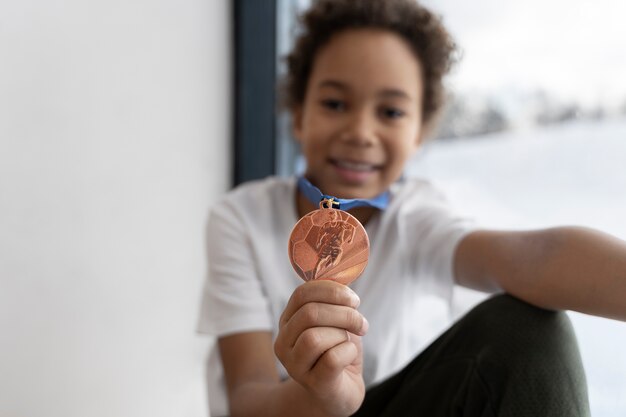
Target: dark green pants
504	358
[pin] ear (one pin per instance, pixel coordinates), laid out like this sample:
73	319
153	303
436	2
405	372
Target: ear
420	137
296	122
428	130
415	148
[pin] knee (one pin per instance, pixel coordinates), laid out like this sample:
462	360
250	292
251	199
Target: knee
506	313
509	327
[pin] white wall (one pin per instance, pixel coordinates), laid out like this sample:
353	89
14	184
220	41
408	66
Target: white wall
114	141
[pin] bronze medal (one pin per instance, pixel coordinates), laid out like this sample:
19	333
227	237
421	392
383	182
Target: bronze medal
329	244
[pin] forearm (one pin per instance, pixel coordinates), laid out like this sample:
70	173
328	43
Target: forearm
267	399
319	343
570	268
582	270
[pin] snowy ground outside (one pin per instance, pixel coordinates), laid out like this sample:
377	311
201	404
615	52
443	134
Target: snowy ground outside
573	174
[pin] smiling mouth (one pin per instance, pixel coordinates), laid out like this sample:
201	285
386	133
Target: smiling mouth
354	165
354	172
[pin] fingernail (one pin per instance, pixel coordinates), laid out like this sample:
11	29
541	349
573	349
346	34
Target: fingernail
355	298
365	326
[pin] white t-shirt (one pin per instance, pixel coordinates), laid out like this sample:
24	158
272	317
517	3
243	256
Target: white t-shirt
405	291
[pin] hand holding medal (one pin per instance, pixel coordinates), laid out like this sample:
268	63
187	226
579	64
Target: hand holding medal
329	243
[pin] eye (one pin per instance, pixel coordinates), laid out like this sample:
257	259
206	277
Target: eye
333	104
392	113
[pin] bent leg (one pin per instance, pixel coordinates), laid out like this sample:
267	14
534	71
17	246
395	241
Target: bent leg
504	358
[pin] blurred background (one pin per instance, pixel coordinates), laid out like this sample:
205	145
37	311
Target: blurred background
122	122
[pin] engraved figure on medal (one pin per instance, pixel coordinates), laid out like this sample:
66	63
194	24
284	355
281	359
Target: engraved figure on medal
334	235
329	244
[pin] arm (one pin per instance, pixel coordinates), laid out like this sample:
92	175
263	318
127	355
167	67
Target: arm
570	268
252	382
318	345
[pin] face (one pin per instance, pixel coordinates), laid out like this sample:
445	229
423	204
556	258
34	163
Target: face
361	118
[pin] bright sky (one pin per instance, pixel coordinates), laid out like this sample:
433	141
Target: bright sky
575	48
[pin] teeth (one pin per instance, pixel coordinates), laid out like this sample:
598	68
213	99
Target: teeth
356	166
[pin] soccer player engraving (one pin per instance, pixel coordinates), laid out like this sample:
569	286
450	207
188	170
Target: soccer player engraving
329	244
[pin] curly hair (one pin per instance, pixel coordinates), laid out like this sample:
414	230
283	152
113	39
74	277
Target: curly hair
424	32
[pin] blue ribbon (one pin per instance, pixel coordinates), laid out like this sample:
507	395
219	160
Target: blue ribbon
315	196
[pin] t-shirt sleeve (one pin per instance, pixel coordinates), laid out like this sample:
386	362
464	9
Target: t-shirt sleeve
234	299
432	233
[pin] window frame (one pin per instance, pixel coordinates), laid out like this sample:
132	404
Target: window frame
254	89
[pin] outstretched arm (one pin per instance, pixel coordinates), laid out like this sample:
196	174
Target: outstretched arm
569	268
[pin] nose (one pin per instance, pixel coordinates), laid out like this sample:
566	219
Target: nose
360	129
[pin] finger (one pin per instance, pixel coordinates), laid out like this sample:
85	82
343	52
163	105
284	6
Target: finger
324	315
313	343
322	291
335	360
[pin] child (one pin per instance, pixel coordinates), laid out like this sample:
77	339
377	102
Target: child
364	87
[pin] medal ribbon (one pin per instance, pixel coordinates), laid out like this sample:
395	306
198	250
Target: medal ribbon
315	196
